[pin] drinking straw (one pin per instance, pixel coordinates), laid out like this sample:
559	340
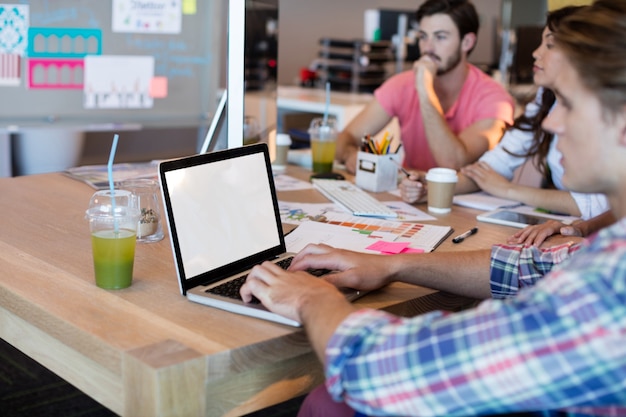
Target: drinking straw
111	185
326	108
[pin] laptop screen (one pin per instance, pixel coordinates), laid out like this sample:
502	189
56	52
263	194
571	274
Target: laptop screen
222	212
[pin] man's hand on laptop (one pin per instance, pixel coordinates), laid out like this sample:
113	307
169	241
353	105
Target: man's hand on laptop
290	294
356	270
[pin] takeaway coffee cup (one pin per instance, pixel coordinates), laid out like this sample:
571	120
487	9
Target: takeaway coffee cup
441	183
283	142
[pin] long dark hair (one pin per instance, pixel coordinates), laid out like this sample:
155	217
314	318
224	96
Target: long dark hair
541	138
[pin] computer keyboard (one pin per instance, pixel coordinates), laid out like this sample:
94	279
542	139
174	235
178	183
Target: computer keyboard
352	198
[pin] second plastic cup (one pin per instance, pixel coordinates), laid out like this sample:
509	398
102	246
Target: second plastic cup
146	194
113	224
441	183
323	136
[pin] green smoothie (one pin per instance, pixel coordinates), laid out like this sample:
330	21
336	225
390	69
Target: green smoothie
323	155
113	257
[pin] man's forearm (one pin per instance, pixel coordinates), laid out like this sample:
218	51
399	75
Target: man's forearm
445	146
321	316
464	273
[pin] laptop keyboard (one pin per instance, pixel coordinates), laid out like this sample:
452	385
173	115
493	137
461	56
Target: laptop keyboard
353	198
231	288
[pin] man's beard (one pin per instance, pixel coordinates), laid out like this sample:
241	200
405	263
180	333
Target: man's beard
451	64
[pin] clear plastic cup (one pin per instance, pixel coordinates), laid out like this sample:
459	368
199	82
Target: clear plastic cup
113	220
146	194
323	136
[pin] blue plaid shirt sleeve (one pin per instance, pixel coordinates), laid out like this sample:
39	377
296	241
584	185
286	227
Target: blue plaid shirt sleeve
514	266
557	346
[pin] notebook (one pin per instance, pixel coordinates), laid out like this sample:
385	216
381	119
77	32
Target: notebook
223	218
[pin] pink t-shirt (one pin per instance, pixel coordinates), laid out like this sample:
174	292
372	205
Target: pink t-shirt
481	98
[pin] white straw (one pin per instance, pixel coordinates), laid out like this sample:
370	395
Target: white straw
326	108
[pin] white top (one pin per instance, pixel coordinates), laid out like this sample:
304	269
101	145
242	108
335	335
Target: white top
518	142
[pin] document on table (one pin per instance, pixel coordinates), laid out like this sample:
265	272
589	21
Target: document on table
335	236
483	201
296	213
284	182
97	176
371	236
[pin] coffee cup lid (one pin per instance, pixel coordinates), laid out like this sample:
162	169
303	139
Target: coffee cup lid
441	175
283	139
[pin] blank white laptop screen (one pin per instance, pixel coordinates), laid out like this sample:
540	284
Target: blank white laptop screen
223	218
223	212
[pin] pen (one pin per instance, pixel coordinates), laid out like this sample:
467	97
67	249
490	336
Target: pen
404	171
460	238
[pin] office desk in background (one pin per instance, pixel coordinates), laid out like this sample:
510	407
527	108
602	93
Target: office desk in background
146	350
343	106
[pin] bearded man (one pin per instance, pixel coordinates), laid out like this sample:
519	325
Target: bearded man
449	111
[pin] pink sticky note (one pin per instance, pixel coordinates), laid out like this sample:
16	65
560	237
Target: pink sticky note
412	250
158	87
388	247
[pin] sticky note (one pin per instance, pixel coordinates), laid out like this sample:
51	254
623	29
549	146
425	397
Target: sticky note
189	7
388	247
412	250
158	87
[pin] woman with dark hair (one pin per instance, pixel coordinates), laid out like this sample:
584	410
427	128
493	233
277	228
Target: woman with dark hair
526	140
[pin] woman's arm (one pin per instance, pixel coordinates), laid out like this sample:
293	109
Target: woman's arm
489	180
536	235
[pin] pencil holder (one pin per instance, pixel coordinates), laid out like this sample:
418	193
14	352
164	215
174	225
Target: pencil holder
377	173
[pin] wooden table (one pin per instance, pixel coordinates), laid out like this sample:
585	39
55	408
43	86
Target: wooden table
146	350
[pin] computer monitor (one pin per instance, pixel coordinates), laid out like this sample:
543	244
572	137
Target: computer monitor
216	137
234	82
237	27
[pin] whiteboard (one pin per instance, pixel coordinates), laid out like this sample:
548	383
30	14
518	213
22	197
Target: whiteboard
160	73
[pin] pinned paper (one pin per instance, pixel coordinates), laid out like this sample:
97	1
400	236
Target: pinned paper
118	81
13	42
58	74
163	16
14	23
63	42
10	70
56	56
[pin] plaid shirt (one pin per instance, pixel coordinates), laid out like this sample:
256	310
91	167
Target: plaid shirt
558	346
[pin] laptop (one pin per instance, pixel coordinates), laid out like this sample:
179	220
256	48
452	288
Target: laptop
223	218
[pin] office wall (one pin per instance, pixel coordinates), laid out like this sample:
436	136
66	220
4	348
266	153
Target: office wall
304	22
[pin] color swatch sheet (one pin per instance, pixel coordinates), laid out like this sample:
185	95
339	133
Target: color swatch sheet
422	237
